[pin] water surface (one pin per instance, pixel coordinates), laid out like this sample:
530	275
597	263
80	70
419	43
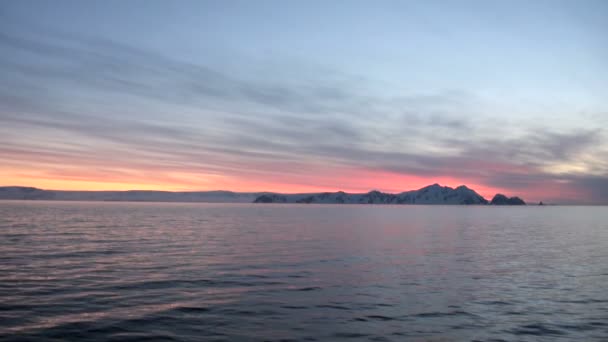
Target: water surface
246	272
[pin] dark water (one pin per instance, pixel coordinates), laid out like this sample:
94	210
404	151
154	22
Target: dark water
202	272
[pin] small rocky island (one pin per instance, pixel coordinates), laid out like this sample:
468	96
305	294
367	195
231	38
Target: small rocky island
501	199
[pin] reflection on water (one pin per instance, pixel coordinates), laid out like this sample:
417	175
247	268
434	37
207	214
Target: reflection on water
191	272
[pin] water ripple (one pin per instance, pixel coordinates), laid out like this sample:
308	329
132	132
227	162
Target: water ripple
193	272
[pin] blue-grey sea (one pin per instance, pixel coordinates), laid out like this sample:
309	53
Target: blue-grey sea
268	272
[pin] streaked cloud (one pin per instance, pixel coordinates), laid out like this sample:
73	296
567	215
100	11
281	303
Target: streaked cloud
85	109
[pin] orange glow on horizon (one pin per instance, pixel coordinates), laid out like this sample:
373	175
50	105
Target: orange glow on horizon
317	179
353	181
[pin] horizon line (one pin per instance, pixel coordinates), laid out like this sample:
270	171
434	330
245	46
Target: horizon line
225	190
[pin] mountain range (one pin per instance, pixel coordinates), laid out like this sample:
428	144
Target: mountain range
432	194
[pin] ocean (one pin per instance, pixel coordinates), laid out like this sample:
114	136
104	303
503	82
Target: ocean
118	271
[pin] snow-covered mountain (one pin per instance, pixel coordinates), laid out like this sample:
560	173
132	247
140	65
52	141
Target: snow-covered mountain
432	194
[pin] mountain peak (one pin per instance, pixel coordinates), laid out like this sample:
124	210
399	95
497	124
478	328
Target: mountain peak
431	187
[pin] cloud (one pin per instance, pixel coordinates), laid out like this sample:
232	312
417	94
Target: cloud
72	61
101	104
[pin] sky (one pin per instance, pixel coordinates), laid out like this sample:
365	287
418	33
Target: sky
305	96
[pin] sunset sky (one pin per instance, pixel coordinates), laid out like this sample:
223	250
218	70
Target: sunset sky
303	96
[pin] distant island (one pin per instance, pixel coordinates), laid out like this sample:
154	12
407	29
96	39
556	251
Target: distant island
432	194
